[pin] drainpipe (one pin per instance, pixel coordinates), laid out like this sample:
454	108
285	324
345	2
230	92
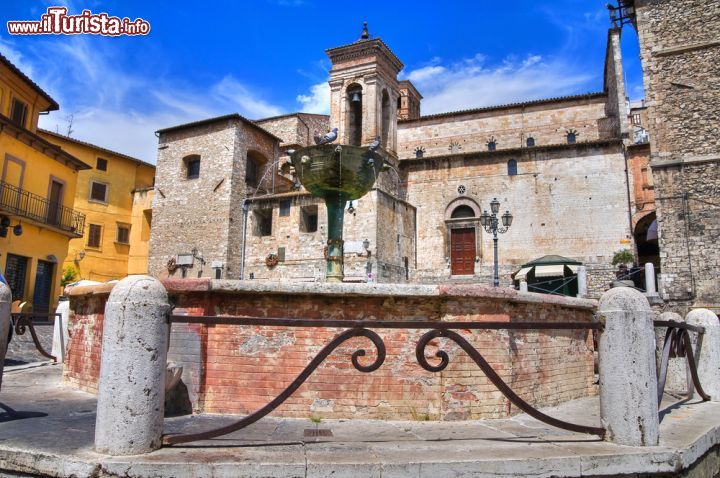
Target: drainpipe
245	207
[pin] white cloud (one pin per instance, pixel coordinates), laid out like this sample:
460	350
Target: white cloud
120	109
470	83
318	101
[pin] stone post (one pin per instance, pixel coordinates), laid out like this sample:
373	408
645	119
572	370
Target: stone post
60	330
628	381
131	391
582	281
523	286
5	303
707	351
650	288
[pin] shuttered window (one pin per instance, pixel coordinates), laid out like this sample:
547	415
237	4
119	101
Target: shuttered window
98	191
94	235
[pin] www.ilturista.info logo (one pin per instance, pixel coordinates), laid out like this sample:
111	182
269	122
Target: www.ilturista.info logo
57	22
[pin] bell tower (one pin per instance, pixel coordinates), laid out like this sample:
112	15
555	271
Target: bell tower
364	92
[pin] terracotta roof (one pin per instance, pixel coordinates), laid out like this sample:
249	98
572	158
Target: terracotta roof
41	144
508	105
91	145
54	106
217	119
501	152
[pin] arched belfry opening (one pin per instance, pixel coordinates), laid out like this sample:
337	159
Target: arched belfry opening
354	94
386	120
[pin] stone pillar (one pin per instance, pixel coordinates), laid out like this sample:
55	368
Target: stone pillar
523	286
60	330
582	281
650	288
628	380
707	351
131	391
5	303
676	379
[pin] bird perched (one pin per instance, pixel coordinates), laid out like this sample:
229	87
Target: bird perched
375	144
327	138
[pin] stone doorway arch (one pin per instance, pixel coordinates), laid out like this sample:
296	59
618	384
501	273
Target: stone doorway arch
462	218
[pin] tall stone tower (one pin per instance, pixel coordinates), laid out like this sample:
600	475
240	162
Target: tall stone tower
364	92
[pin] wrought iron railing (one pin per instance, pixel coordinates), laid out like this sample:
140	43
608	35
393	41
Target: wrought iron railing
20	202
361	328
23	321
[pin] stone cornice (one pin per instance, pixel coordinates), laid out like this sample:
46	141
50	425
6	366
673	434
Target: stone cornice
362	49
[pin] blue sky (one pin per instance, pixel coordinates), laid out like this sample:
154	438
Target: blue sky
266	57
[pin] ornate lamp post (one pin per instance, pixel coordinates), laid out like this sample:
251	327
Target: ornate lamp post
491	224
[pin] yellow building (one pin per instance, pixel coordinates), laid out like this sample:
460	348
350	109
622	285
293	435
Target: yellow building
37	190
115	195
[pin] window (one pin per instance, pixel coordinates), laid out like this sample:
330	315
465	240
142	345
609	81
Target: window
636	120
512	167
98	191
285	207
491	145
462	212
123	233
192	166
101	164
309	219
94	235
530	142
281	254
15	273
254	169
18	115
263	222
571	137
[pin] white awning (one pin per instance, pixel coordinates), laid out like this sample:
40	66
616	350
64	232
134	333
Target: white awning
550	271
522	273
573	268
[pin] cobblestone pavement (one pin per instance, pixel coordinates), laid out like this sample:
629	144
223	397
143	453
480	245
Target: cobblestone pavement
23	350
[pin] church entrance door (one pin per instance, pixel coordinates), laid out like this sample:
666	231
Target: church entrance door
462	251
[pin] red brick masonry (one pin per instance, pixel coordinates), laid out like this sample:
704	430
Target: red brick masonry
234	369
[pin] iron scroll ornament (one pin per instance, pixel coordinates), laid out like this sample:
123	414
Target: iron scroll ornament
312	366
493	377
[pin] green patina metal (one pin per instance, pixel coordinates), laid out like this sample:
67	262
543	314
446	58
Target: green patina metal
336	173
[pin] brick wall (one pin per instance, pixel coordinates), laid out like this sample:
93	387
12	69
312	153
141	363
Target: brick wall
231	369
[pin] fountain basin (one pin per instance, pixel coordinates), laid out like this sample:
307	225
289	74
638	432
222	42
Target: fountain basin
332	170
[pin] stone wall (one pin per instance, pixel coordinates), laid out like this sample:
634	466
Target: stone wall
548	122
570	201
679	48
296	129
205	213
233	369
386	222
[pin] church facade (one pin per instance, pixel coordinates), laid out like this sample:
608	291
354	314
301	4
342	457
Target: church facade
228	204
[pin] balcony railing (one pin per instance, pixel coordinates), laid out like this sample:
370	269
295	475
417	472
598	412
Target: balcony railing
19	202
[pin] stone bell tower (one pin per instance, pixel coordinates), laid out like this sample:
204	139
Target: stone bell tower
364	92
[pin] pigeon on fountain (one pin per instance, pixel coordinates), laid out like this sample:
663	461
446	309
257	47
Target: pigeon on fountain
375	144
327	138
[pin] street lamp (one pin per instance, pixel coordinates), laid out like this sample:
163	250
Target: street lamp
491	224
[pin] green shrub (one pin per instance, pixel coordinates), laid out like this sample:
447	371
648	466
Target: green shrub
624	256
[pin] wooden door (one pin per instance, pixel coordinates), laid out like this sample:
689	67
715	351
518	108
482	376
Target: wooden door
462	251
43	286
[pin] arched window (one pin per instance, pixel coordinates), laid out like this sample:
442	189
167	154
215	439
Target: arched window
385	119
571	137
491	144
530	142
512	167
192	166
461	212
354	95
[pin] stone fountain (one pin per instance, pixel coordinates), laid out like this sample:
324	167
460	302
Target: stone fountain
338	174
